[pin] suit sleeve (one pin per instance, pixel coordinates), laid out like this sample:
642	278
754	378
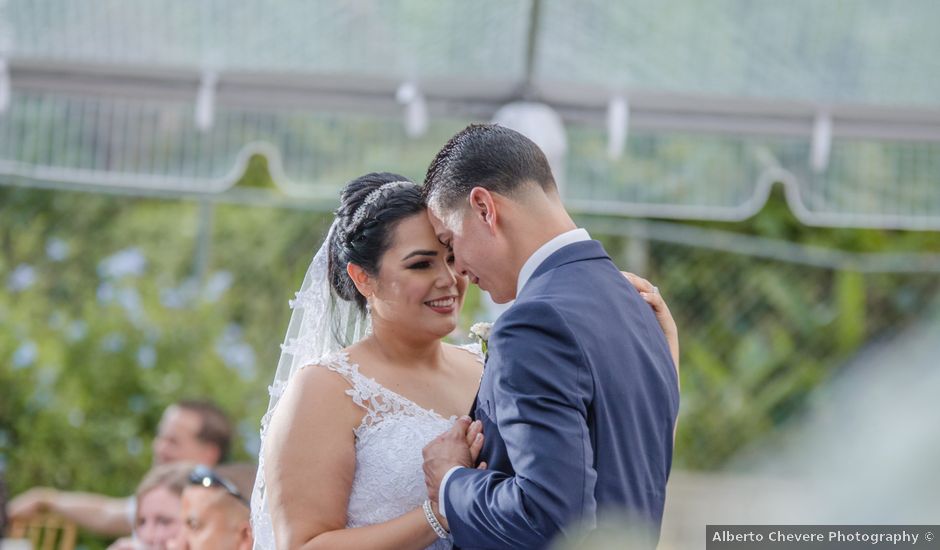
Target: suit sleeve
542	392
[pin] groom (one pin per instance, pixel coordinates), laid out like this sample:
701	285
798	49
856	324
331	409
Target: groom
579	396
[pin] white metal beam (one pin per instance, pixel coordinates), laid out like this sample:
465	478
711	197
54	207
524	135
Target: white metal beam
475	98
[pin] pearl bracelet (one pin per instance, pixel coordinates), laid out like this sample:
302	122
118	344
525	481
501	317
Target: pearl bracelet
432	521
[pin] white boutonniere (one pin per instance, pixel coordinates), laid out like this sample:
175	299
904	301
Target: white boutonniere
481	332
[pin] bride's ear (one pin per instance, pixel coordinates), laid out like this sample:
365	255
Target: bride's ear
361	279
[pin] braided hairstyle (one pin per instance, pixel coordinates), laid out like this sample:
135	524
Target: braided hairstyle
371	206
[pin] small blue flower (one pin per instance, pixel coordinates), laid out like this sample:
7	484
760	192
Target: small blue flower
113	342
23	277
237	354
76	331
57	249
41	398
25	355
217	284
106	293
146	357
129	262
134	446
130	302
76	418
180	297
137	403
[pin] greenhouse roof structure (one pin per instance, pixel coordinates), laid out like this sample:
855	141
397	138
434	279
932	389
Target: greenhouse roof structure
671	109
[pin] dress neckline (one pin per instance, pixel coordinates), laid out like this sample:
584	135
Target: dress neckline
354	367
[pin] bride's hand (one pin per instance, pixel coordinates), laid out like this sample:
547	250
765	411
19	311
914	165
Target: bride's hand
651	295
475	442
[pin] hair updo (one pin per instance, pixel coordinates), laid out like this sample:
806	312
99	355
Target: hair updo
364	238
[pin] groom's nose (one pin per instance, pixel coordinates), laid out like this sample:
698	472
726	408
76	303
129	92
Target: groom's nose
459	267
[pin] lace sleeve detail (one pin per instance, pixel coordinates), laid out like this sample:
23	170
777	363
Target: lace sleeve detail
377	401
476	350
359	390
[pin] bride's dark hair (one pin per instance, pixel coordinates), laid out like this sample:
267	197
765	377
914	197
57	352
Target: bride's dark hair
364	231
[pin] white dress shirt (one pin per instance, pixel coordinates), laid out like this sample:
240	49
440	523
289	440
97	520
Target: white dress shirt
528	269
546	250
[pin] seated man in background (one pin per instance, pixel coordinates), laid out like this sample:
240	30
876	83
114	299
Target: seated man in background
216	509
191	431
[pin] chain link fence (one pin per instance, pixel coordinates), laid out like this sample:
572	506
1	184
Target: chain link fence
763	322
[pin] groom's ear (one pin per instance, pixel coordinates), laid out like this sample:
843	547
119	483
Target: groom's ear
483	206
360	278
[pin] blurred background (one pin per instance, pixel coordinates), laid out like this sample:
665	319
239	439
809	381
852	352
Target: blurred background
169	167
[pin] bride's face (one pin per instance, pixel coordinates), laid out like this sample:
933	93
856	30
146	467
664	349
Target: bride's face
417	288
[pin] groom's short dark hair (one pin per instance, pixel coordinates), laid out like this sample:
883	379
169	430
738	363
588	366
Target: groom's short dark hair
489	156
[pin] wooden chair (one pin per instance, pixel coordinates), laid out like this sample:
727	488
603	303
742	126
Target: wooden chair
45	532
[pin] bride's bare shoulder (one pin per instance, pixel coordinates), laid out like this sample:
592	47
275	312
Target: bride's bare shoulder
320	386
468	358
321	374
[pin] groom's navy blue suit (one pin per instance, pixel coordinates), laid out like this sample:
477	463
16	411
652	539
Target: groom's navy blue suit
578	402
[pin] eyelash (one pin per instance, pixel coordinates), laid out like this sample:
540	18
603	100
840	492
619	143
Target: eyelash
427	264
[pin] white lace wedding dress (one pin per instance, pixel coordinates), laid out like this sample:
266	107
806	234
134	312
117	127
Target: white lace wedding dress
389	481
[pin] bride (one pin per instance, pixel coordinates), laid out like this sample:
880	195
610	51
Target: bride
370	381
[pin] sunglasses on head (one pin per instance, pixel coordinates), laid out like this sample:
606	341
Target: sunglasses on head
206	477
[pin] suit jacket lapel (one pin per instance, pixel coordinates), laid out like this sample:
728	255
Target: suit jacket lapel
473	408
574	252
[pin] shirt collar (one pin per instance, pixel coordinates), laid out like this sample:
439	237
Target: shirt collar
546	250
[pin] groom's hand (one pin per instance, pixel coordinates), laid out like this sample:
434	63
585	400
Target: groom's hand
458	446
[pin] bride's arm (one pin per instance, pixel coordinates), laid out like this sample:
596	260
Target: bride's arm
652	296
309	463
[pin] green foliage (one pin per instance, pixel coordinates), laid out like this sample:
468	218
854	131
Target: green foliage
757	336
88	360
850	296
93	348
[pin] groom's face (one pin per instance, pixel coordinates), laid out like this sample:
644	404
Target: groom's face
476	251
